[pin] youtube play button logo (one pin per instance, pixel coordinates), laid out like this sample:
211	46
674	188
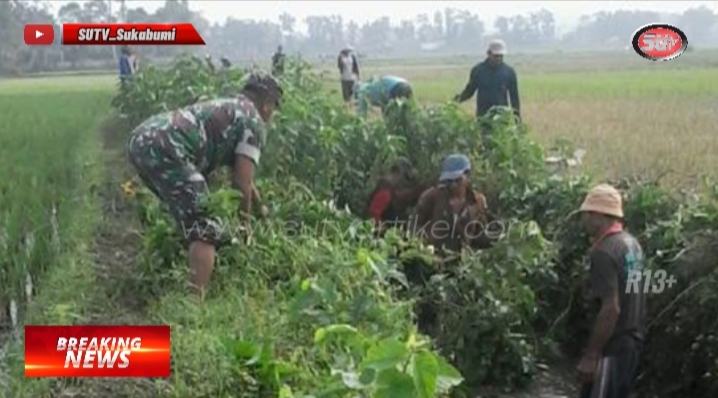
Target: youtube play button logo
39	35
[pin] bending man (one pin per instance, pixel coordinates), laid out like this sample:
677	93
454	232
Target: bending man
379	92
173	152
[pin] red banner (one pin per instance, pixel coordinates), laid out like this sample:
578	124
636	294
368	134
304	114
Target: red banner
97	351
130	34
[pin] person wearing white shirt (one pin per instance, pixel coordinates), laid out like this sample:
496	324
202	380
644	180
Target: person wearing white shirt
349	72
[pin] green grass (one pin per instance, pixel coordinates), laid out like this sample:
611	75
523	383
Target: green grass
48	156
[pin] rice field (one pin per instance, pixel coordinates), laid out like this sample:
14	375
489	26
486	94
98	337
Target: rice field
632	116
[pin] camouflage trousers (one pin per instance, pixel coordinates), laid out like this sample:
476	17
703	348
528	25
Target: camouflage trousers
166	171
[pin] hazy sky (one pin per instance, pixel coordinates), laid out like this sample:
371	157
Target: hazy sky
567	13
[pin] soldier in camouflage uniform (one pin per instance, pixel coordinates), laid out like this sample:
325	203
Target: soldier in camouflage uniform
173	152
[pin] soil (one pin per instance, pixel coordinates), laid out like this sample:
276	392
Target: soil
118	238
554	381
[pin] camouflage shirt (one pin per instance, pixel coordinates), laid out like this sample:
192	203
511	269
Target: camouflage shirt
209	134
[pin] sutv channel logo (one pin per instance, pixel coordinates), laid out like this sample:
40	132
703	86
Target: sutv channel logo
659	42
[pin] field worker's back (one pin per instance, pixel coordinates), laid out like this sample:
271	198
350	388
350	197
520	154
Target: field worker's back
389	82
377	93
207	134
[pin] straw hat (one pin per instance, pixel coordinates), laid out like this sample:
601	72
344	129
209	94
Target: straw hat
603	199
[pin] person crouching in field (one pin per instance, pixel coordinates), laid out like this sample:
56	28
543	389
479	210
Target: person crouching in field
393	195
609	364
173	152
448	216
380	92
451	214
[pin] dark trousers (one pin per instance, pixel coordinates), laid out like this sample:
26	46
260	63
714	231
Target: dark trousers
347	90
617	370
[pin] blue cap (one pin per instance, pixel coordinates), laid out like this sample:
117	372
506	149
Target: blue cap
453	167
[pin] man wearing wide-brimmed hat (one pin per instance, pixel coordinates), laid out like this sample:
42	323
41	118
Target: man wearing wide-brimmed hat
609	363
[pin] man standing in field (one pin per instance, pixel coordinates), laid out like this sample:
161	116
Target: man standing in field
493	81
128	64
348	72
278	62
173	152
609	364
379	92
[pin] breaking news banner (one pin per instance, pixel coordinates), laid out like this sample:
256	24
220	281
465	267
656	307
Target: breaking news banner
130	34
97	351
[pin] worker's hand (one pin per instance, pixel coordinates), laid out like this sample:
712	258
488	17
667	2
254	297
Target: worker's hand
588	366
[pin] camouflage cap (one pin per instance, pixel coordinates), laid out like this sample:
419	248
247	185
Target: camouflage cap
265	84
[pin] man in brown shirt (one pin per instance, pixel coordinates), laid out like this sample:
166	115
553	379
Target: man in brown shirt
610	361
451	214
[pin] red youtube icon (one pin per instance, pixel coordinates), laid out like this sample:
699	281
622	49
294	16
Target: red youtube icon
39	35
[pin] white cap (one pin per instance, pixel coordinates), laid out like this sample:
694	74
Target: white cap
497	47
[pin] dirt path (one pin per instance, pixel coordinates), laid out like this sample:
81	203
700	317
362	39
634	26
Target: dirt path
118	240
554	382
114	251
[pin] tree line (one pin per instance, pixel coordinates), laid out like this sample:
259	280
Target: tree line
448	32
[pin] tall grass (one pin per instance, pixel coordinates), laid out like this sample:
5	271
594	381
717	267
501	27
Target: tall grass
46	148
